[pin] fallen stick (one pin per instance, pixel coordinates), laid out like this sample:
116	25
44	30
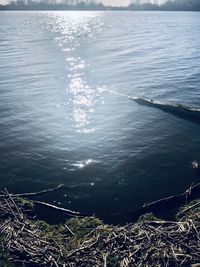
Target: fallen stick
68	212
7	195
183	196
162	204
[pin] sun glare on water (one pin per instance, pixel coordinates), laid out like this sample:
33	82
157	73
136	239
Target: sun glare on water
70	29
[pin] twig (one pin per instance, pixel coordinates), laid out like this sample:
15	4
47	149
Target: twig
59	187
68	212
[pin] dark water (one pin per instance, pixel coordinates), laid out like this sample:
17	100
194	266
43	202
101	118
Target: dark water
65	115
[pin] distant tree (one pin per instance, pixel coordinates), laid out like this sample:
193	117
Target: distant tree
184	5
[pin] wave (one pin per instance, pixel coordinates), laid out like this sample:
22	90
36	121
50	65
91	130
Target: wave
184	112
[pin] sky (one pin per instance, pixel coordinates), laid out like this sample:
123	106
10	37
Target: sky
116	2
111	2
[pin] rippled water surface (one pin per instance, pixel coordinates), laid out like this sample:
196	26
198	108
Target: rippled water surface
66	116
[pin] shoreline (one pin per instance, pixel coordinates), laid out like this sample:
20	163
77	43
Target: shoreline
88	241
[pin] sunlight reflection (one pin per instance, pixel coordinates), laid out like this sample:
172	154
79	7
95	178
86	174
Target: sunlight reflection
72	25
71	29
82	97
82	164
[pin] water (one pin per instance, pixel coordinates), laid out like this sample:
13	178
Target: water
65	79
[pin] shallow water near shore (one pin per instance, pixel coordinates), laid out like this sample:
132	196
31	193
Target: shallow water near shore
65	112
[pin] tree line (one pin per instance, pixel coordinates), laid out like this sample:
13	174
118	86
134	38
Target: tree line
170	5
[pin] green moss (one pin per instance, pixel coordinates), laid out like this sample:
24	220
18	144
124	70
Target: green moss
82	226
81	229
113	261
49	232
86	222
43	226
148	217
4	255
25	203
186	209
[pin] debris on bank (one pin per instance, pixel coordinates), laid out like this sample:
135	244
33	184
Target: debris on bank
89	242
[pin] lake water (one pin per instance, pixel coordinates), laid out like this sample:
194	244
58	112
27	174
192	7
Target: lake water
65	112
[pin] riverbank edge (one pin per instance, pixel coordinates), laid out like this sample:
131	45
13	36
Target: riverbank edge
88	241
